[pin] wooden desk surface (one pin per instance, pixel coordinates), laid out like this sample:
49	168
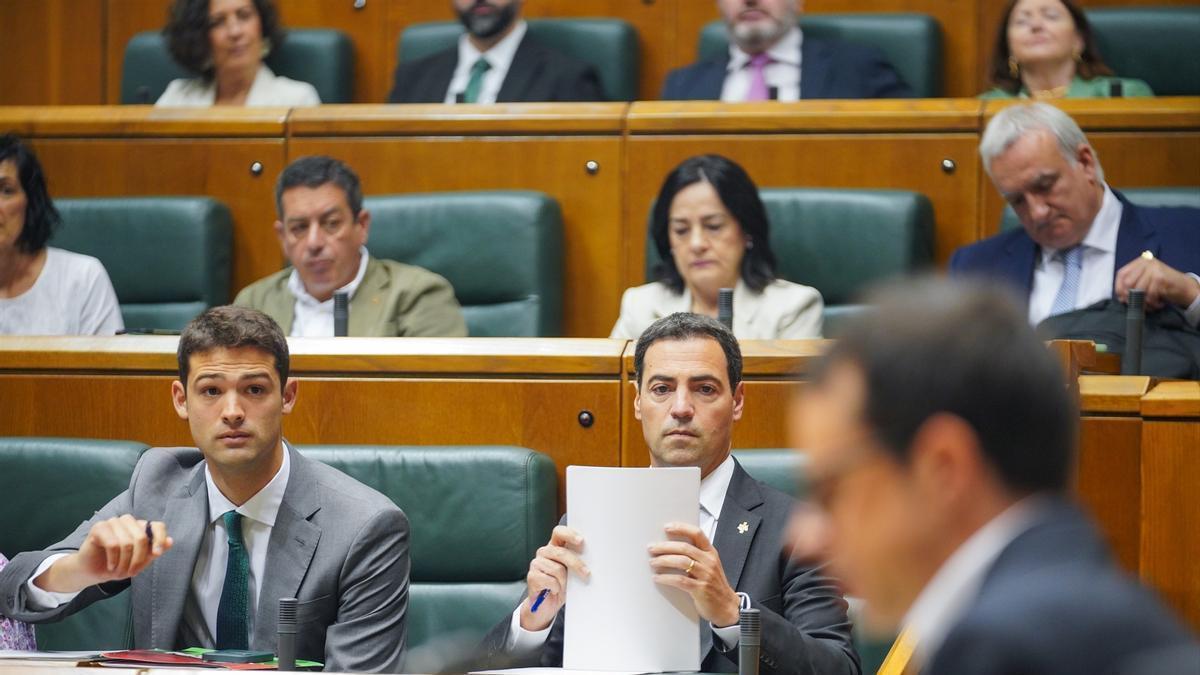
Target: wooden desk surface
499	119
142	121
658	117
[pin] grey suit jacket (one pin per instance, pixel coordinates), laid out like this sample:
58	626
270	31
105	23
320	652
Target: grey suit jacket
804	626
338	546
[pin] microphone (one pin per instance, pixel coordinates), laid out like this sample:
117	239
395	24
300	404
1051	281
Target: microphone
341	314
287	633
1135	323
142	95
1116	89
725	307
773	93
460	97
750	624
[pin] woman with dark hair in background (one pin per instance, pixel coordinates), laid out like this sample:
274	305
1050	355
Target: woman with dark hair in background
225	42
44	290
710	228
1045	49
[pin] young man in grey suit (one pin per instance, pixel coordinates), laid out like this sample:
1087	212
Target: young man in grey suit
208	540
941	437
689	371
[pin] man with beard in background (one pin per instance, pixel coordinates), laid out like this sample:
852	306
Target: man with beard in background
496	61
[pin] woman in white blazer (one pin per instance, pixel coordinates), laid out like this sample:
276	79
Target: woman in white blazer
225	42
711	232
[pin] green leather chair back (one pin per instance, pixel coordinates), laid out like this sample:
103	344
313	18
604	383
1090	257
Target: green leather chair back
168	257
77	476
322	57
1161	196
502	251
841	241
477	516
1155	44
912	42
609	45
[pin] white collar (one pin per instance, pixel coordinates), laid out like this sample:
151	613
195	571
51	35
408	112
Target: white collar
263	506
1102	233
785	50
296	286
956	583
714	486
500	55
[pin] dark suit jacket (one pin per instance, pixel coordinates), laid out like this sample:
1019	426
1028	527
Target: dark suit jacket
828	69
1053	603
338	546
538	74
1171	234
804	625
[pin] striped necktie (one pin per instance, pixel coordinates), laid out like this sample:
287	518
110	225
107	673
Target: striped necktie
232	614
1064	300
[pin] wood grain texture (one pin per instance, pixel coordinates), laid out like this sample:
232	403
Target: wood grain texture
1170	546
52	52
1113	393
123	20
471	120
681	117
591	204
143	121
367	28
1108	482
1173	399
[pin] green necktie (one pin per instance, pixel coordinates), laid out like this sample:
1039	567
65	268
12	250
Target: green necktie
232	617
471	93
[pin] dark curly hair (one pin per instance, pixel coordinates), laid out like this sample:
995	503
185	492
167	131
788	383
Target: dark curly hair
40	215
739	195
1090	64
186	33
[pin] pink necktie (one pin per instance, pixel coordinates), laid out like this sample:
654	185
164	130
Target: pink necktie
758	79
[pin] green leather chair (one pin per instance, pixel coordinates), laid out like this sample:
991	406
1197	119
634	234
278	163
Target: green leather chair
478	516
1161	196
323	58
168	257
502	251
784	470
1155	44
610	45
912	42
840	241
70	479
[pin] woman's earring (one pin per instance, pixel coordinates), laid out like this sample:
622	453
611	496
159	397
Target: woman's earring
266	50
1014	69
749	244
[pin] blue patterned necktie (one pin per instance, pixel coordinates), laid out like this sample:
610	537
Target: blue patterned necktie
1072	259
232	616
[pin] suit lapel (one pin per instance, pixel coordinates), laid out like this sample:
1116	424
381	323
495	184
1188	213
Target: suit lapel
1021	252
185	516
732	540
814	69
365	308
290	551
712	79
1134	235
523	72
435	83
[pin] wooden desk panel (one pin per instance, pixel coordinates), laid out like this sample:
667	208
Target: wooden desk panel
52	52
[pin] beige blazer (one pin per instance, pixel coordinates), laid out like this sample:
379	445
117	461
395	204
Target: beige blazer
393	300
782	310
268	89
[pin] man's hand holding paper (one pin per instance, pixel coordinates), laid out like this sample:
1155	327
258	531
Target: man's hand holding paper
703	577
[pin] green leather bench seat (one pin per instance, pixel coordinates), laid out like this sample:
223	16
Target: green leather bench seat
1160	196
321	57
609	45
50	486
912	42
842	241
1155	44
478	516
502	251
168	257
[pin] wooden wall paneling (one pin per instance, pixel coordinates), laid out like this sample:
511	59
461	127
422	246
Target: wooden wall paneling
1171	513
53	52
1108	481
123	20
367	28
498	147
812	144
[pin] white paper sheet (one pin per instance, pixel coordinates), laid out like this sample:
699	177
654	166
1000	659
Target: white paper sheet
619	619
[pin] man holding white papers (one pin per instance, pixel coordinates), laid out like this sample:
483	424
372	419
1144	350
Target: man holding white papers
689	370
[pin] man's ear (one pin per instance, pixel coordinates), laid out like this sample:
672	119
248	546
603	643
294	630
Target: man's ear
179	399
637	402
279	232
947	461
1086	157
364	220
739	398
290	390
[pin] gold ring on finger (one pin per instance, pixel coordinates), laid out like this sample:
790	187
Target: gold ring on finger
688	571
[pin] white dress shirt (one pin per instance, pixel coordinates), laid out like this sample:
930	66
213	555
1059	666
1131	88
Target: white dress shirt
782	74
712	497
500	56
1099	259
957	582
208	576
313	318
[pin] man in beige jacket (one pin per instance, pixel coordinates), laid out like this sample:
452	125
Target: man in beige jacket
323	229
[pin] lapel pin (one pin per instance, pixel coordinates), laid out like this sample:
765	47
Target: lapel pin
743	528
1147	255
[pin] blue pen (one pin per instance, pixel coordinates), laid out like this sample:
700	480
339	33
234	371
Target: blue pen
538	600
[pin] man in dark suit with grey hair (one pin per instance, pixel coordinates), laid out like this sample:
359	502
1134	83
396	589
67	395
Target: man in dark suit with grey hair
208	539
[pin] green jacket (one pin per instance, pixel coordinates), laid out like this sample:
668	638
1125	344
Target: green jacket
393	300
1097	87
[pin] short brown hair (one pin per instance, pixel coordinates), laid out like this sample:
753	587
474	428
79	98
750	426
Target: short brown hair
230	327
